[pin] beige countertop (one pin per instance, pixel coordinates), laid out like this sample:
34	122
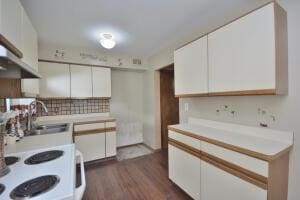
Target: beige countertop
55	139
239	139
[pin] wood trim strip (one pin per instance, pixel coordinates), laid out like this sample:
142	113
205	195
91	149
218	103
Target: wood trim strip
94	131
230	93
229	146
226	24
54	98
192	95
231	168
7	44
95	121
71	63
244	92
90	132
110	129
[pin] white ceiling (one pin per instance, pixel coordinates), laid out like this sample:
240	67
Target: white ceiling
141	27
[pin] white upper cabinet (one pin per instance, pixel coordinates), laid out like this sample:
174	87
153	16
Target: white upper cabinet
245	57
30	87
55	81
101	82
81	81
190	64
242	53
11	22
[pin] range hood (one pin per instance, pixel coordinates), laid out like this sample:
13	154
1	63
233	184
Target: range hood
13	67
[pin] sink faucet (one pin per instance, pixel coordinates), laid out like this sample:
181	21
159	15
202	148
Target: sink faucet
29	117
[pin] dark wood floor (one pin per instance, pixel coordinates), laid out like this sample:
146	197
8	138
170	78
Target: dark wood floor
140	178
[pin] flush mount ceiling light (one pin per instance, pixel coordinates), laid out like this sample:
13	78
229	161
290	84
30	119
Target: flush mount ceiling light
107	41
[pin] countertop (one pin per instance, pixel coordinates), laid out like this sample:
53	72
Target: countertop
29	143
265	148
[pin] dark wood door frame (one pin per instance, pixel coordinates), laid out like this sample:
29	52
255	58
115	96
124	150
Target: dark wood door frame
169	104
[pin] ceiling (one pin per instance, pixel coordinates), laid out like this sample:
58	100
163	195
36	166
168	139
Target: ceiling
141	27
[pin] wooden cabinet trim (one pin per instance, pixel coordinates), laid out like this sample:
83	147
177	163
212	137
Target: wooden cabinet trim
90	132
7	44
94	131
248	152
95	121
230	93
191	95
244	92
245	174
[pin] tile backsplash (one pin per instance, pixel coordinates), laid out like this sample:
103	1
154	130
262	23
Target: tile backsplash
73	106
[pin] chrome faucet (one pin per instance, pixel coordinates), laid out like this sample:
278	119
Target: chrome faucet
29	117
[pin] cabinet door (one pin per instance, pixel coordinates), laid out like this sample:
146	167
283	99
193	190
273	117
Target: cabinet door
91	146
81	81
190	63
11	24
217	184
184	171
55	81
30	55
111	144
101	82
242	54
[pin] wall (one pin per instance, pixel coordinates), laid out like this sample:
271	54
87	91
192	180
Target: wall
286	109
126	106
88	57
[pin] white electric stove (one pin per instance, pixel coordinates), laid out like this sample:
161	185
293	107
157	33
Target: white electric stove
44	174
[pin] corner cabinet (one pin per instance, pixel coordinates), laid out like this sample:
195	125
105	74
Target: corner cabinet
190	64
245	57
55	81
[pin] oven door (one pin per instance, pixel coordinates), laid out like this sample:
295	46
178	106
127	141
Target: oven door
79	191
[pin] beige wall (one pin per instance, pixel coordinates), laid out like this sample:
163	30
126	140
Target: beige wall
285	109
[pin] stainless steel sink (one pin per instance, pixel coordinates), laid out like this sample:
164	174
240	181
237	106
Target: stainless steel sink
47	129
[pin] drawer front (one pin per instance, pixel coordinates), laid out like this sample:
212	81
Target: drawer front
86	127
253	164
110	124
185	139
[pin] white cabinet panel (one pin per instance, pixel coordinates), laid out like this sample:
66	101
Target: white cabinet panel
81	81
190	63
11	22
193	142
217	184
111	143
30	87
55	81
184	171
242	53
92	146
101	82
247	162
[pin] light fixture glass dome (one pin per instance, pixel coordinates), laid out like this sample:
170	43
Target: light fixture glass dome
107	41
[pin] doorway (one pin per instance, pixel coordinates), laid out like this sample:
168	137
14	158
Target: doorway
169	104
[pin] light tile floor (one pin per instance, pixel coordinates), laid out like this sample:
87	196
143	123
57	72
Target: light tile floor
132	152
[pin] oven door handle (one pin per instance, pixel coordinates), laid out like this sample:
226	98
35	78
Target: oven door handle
80	190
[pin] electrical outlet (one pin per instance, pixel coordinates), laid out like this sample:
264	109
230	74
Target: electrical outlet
186	107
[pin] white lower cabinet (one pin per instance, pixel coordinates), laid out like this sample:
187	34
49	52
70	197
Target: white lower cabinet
92	146
111	141
184	171
217	184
